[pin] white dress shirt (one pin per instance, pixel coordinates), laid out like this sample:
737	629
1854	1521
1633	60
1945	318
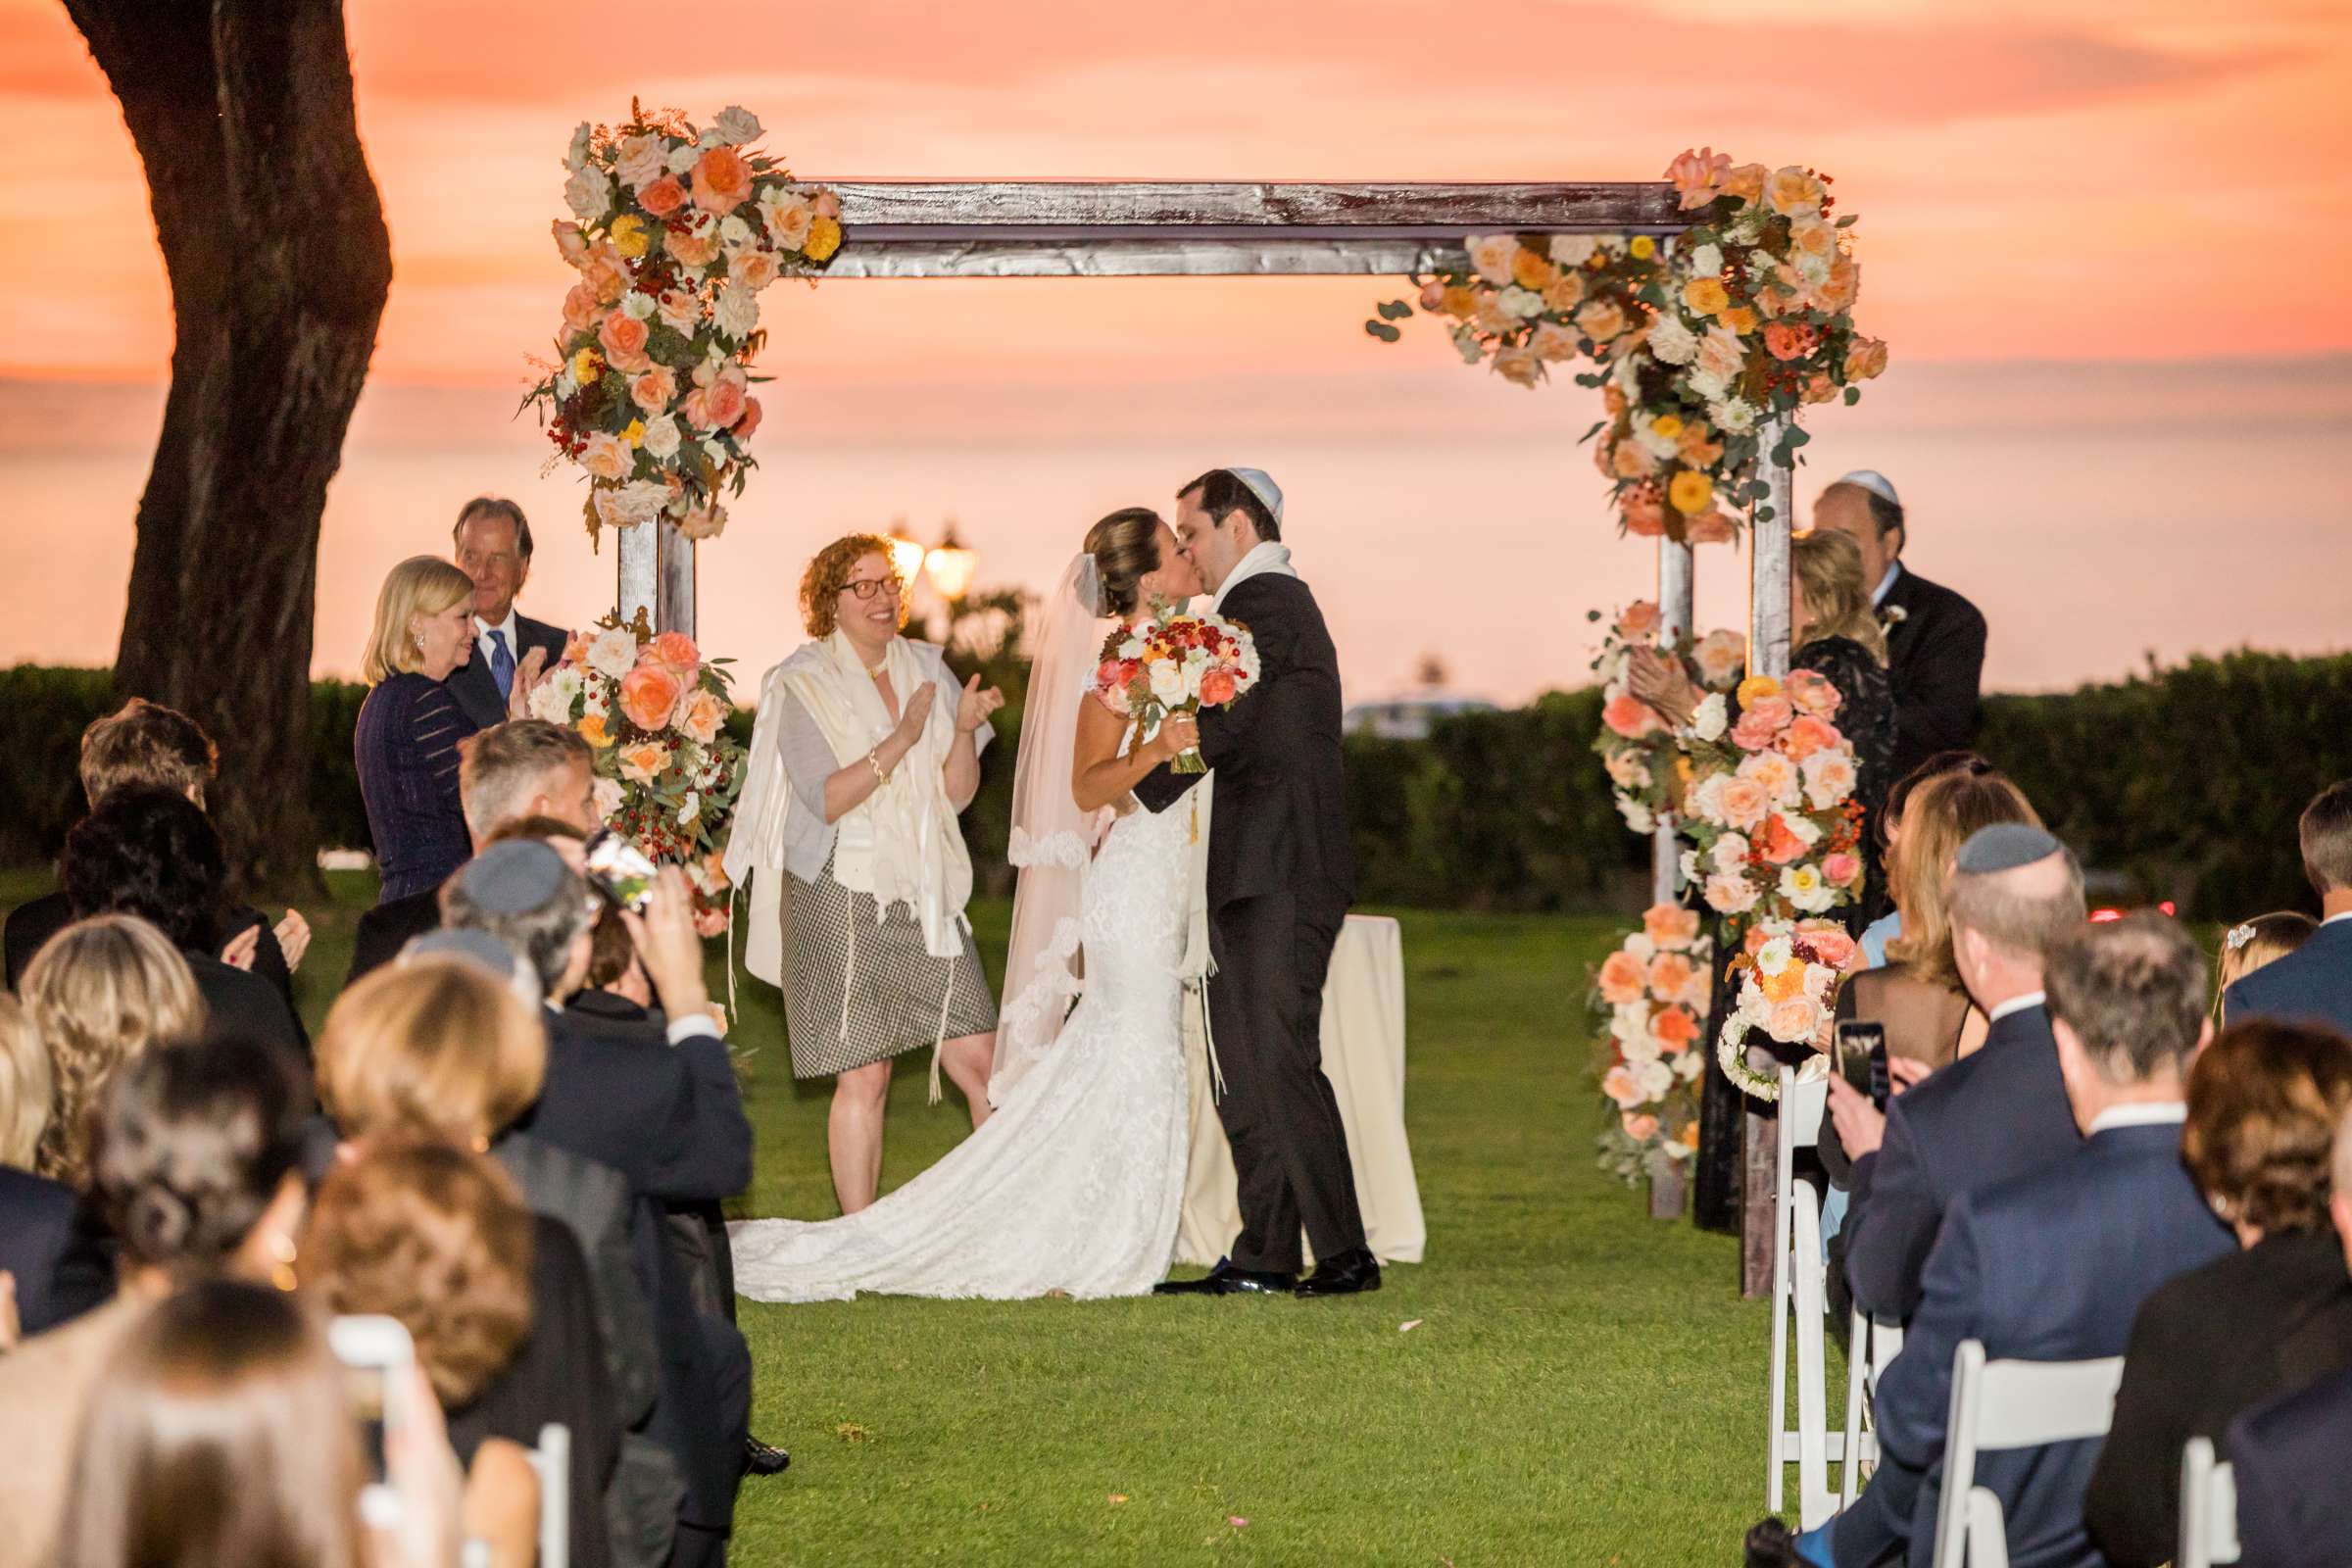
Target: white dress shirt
2031	999
2143	1114
1878	596
506	628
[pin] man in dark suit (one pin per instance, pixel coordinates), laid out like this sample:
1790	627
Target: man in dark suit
2313	983
1279	877
1987	1117
493	541
1934	637
521	768
2052	1265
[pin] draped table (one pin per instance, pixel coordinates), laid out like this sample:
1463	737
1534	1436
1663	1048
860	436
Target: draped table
1364	1056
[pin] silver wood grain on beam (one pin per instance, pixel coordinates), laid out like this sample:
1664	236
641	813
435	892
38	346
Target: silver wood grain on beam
1174	256
1087	205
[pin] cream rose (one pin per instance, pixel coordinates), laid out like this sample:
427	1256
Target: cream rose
1491	255
662	437
589	194
736	125
640	160
735	310
608	457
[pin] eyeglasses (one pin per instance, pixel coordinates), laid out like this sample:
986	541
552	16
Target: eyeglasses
867	587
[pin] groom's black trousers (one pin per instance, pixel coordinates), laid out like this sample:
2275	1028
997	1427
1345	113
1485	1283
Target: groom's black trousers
1265	1014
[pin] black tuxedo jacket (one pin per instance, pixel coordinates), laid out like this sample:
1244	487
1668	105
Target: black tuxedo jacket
389	927
2293	1509
1282	789
1987	1118
1935	656
2313	983
2287	1307
30	925
470	683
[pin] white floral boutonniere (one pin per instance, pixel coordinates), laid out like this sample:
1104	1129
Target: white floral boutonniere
1893	615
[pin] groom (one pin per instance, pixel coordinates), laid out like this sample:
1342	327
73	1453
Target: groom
1279	877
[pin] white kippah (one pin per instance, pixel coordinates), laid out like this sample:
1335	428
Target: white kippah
1261	486
1877	483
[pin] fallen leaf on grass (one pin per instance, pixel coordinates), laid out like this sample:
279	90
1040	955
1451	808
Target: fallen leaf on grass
852	1432
1409	1326
1117	1498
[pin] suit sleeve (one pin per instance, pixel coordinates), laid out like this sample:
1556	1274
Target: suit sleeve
1940	711
707	1153
1890	1222
1915	1393
2267	1530
2132	1507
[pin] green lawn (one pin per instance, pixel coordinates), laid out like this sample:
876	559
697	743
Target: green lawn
1583	1385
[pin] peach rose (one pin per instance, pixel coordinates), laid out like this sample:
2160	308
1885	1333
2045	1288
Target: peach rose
1564	293
1777	845
1641	512
1762	721
653	389
648	696
1694	448
1742	802
1794	1020
827	204
1669	926
701	522
754	270
622	338
1807	735
1838	295
1789	340
571	243
662	197
790	222
1624	979
1600	320
701	715
1829	778
1216	688
1721	353
1721	656
1553	342
1491	255
1743	182
1775	772
1518	365
605	272
1830	943
1631	718
696	246
722	181
581	308
1792	191
1629	460
1433	297
1676	1030
1669	974
674	652
1709	527
1699	175
575	647
644	762
1866	359
749	423
1618	1084
1819	388
1730	893
1641	1128
1813	693
717	406
608	457
1639	621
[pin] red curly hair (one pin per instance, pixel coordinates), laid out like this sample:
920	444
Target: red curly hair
821	584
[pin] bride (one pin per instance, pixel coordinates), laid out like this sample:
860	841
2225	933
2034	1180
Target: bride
1075	1182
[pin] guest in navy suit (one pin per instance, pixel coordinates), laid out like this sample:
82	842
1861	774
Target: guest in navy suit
493	542
1989	1116
2315	981
1934	637
2052	1265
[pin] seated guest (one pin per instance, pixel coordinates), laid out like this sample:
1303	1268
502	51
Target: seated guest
100	995
223	1433
2049	1267
1934	638
1998	1113
435	1237
437	1046
2264	1103
151	853
525	767
411	727
2315	981
2293	1510
2257	944
1887	927
493	543
196	1172
37	1232
146	743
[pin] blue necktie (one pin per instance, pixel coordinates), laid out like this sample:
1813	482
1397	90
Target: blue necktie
502	664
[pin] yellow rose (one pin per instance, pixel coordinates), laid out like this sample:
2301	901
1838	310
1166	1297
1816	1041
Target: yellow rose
1668	425
1744	181
1565	294
1791	191
1532	271
1741	320
1706	295
1642	247
1689	491
586	367
1459	303
592	730
1755	689
634	436
629	236
824	238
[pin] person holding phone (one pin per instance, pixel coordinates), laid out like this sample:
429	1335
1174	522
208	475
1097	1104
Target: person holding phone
865	753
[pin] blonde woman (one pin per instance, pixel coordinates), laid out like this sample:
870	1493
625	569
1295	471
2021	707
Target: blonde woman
2254	944
410	726
36	1214
100	994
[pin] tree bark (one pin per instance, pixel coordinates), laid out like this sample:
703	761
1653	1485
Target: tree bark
274	244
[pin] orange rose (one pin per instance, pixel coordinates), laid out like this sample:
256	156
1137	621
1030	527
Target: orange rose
1639	620
1641	1128
644	762
1711	527
749	423
1707	296
622	337
662	197
1695	449
722	181
1623	979
1675	1031
1641	512
1836	296
1776	844
1669	976
581	306
1532	271
1741	320
1807	735
1866	359
701	715
592	730
674	652
1689	1136
652	390
1789	340
648	695
1669	926
1631	718
1459	302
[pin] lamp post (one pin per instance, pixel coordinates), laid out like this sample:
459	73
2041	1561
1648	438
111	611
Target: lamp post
951	564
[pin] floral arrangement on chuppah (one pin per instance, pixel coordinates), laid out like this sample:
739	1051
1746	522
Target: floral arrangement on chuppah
675	232
1652	993
1787	975
1638	748
653	711
1749	319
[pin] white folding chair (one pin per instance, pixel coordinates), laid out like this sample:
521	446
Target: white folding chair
2009	1404
553	1460
2208	1508
1872	1345
1799	1291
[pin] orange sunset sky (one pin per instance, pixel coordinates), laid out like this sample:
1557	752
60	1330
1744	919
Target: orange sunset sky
2128	217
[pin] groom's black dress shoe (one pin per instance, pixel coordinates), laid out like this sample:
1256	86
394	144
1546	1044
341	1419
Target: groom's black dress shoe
1771	1545
1347	1274
1227	1280
760	1459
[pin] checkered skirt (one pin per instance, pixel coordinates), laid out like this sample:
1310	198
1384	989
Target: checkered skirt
860	987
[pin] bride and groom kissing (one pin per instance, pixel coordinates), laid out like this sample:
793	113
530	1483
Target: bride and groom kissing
1135	880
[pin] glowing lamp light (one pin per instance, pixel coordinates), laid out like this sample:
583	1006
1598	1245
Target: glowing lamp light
906	559
951	566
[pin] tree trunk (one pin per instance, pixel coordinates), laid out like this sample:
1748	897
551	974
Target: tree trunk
278	260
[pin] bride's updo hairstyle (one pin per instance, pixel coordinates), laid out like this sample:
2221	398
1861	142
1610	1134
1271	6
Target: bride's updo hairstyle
1126	549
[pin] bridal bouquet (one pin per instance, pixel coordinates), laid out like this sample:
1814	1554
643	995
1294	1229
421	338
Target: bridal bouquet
1652	993
1635	745
653	711
1788	973
1177	663
1770	803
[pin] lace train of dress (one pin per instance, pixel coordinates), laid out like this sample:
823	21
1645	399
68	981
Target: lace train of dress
1075	1182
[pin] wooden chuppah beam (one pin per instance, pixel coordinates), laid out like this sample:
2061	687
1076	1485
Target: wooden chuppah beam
1768	634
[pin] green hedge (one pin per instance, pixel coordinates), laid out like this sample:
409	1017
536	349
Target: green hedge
2187	782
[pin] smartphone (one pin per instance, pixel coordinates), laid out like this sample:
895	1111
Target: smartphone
1862	1058
620	871
378	1357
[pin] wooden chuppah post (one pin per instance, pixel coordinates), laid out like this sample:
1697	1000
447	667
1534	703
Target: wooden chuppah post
657	576
1676	620
1768	634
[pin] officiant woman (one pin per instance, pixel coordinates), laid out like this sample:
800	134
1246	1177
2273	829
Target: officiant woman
865	753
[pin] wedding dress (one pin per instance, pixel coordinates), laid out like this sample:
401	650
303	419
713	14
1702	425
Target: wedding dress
1075	1184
